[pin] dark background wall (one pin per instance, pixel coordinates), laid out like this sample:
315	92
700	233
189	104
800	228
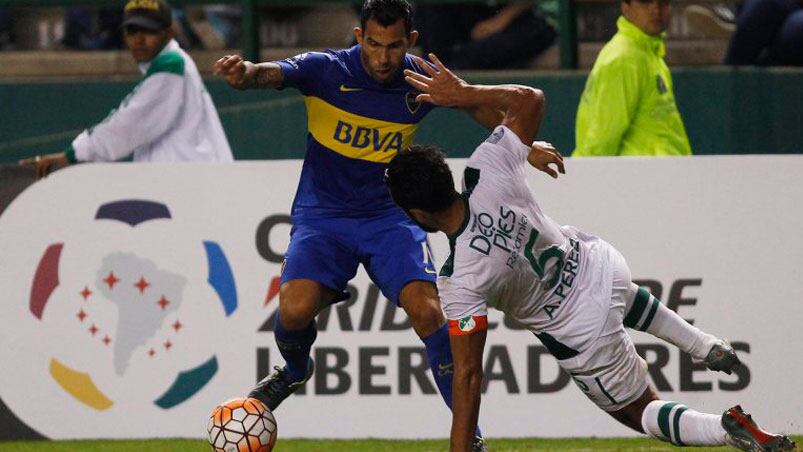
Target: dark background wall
726	111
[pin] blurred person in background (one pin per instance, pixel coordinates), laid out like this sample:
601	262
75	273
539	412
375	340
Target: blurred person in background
169	115
717	21
768	32
93	29
6	34
628	105
479	36
211	27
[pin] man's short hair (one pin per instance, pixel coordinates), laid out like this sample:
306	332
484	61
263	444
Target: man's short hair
387	13
420	178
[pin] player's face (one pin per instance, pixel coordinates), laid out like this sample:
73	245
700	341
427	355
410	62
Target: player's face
382	49
145	44
650	16
423	219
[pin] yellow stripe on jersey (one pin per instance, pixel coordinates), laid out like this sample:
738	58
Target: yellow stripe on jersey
356	136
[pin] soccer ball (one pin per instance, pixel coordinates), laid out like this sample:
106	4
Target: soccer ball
242	425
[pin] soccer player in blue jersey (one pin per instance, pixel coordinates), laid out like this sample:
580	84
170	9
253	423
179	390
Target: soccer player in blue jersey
361	113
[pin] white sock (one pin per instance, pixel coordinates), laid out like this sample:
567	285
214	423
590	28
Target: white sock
674	423
646	313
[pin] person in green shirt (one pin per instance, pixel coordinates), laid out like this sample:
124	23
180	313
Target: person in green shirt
628	105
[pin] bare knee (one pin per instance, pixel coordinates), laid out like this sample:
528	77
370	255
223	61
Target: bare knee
421	303
299	302
631	414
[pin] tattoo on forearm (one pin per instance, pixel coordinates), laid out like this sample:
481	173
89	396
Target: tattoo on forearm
268	75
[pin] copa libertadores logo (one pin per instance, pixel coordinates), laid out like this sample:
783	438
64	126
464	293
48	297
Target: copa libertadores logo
130	308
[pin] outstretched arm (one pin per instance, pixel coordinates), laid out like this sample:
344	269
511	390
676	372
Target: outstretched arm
466	387
241	74
521	107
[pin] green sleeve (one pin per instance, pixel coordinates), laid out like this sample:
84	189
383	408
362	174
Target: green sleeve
169	62
607	107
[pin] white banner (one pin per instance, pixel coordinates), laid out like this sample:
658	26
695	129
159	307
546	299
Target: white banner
137	297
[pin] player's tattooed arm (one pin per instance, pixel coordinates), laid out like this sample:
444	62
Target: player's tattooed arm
241	74
267	75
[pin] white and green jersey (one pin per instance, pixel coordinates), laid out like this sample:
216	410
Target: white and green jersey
510	256
169	116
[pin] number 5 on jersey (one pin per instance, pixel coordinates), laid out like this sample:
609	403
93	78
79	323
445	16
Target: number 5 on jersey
540	263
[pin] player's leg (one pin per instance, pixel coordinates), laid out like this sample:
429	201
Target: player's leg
646	313
318	265
615	378
675	423
399	262
672	422
294	326
420	301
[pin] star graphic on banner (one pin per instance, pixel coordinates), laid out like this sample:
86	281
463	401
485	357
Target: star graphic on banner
85	293
273	290
111	280
163	302
142	284
151	352
177	325
81	315
168	344
106	340
93	329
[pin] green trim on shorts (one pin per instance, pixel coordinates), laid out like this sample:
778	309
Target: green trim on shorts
602	388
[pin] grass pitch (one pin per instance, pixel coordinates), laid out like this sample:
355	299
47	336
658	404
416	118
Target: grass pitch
290	445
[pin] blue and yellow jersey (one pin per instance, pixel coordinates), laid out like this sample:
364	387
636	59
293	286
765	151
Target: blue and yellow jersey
355	127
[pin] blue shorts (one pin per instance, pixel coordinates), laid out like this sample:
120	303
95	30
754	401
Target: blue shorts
393	250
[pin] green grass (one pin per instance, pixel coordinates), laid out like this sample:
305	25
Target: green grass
495	445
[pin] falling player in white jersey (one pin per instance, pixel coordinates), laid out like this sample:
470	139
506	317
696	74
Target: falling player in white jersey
573	290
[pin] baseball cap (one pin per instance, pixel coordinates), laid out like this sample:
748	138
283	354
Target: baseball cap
149	14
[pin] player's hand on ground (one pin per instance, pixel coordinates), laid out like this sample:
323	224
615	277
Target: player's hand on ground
233	69
46	164
542	155
440	87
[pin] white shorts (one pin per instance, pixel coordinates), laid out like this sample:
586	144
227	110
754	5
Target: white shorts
610	372
614	376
